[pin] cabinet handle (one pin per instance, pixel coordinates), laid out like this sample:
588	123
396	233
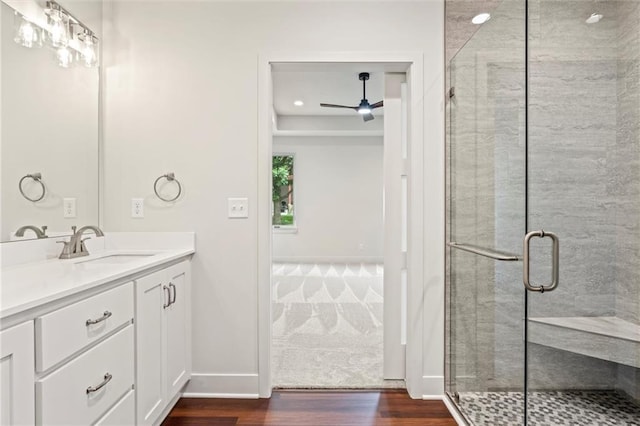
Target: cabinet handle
107	379
104	316
171	285
167	291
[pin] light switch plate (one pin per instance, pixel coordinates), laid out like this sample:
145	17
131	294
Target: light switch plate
69	207
137	207
238	207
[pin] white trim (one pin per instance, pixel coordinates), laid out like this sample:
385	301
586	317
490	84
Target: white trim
415	309
327	259
222	386
328	133
285	229
432	385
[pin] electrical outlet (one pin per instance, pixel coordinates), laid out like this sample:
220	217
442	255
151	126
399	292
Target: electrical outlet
137	207
69	207
238	207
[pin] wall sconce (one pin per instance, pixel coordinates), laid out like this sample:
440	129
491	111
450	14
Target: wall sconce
73	41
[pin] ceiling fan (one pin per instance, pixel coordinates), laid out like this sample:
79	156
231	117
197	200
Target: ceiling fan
365	108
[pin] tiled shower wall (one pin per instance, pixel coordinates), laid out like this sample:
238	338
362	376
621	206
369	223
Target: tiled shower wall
584	173
626	176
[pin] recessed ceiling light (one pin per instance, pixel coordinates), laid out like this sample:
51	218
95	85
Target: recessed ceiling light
594	18
298	103
481	18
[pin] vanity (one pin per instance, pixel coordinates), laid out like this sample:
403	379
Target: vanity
101	339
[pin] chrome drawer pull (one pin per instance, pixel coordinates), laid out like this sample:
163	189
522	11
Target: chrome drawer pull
174	293
107	379
104	316
167	291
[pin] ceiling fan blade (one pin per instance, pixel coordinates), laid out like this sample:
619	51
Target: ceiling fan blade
367	117
337	106
377	104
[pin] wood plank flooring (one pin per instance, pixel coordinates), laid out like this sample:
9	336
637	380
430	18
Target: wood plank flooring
313	408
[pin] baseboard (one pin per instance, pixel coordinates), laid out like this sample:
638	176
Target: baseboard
243	386
432	387
328	259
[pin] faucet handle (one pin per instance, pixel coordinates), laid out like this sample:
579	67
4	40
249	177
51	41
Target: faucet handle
73	228
66	250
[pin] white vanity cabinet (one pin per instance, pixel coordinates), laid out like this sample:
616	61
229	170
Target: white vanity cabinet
85	358
163	342
104	344
17	375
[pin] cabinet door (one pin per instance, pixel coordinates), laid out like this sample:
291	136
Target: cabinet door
178	329
151	296
17	391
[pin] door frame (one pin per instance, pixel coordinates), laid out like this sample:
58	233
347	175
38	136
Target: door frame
416	291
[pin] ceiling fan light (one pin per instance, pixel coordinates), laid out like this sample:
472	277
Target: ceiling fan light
364	110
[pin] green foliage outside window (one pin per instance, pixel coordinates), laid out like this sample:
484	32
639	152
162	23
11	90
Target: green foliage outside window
282	190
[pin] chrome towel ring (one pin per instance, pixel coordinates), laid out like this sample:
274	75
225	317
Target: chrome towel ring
171	177
36	177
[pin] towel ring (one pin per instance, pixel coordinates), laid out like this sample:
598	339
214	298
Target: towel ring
36	177
171	177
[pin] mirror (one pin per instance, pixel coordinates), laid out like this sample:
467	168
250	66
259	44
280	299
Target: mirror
49	126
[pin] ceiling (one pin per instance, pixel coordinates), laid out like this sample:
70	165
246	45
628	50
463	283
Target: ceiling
313	88
334	85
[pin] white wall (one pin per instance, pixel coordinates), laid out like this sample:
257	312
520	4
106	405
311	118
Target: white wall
182	96
338	200
328	122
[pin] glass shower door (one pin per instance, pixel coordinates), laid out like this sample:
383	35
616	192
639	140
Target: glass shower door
486	221
583	156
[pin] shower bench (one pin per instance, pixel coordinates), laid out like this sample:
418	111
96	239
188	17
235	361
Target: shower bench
609	338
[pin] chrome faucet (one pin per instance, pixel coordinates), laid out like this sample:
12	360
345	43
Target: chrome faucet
75	246
40	233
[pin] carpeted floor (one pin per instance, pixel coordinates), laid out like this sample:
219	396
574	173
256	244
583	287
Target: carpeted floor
327	326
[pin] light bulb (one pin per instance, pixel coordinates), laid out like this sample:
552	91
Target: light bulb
481	18
27	34
89	52
364	110
594	18
59	30
65	58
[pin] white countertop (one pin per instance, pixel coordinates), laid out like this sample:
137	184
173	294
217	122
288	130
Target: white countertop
33	284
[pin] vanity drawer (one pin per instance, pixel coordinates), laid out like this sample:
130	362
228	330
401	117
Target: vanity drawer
64	397
66	331
124	412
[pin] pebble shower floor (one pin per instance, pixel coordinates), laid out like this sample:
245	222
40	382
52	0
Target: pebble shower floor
552	408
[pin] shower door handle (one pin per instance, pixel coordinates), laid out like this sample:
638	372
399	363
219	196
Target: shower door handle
555	259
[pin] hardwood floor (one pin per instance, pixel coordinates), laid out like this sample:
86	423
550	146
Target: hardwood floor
313	408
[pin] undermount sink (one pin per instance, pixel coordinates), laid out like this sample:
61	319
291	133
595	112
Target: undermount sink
116	259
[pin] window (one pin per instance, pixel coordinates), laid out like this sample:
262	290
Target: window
282	191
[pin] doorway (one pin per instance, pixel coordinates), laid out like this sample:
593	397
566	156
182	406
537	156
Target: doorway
363	267
337	209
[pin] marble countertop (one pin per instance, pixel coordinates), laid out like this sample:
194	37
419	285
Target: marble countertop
34	284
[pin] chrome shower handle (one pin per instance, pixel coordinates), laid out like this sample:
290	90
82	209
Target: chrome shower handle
555	266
